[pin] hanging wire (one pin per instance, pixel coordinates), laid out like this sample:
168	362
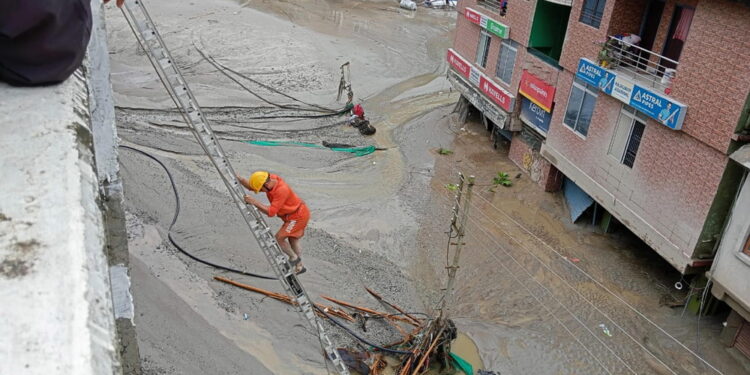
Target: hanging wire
627	334
214	62
587	275
187	120
545	265
549	312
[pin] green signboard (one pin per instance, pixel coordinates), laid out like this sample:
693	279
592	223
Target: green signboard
487	23
497	28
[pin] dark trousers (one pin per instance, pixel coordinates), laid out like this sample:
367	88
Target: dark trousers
42	42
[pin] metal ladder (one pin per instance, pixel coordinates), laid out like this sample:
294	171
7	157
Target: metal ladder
143	27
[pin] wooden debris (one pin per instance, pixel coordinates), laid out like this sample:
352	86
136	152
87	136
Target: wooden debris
284	298
370	311
380	298
378	365
420	351
428	353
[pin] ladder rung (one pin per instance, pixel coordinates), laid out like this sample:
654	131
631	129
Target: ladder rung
165	63
148	34
195	116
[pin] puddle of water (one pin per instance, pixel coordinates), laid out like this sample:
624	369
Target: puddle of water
463	346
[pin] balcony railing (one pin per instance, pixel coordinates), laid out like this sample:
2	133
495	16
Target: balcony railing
491	5
562	2
643	66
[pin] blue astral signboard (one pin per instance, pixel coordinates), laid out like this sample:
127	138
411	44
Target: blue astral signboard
657	107
596	76
668	112
534	114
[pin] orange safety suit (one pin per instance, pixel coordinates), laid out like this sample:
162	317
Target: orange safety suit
289	207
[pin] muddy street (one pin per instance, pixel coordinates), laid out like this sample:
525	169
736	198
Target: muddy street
379	220
542	295
364	216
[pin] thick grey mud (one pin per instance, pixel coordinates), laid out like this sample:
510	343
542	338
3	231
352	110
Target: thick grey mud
365	209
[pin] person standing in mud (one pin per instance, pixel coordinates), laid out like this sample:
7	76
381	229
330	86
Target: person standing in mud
285	204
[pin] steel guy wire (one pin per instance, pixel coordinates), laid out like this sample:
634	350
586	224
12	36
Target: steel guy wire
572	314
548	310
533	295
627	334
592	279
545	265
700	311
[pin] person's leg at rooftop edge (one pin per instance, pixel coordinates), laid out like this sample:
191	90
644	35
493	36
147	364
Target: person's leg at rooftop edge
285	204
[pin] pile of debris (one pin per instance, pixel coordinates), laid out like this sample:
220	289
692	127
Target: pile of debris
424	343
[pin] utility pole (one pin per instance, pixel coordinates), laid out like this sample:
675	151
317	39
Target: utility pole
438	335
457	228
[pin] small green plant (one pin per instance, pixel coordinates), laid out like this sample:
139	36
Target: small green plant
444	151
502	178
451	187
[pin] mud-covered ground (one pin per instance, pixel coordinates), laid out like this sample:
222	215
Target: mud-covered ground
364	209
541	295
378	220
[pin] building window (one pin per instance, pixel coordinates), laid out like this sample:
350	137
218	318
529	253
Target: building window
581	105
548	31
633	142
627	136
506	60
592	11
483	48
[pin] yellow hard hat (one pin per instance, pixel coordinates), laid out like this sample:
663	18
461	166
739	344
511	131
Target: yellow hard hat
257	179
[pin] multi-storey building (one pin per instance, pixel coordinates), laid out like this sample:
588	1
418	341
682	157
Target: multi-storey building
730	272
643	125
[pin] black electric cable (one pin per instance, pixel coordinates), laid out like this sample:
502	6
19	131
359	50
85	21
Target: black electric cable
222	70
358	337
225	268
176	215
261	84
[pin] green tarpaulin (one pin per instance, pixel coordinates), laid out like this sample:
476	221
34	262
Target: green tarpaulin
357	151
462	365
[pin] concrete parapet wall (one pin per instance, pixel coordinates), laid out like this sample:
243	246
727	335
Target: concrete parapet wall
104	129
54	280
61	227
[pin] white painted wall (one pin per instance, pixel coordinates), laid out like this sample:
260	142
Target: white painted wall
731	269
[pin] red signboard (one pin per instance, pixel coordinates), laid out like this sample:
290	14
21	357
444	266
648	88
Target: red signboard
458	63
538	91
473	16
494	92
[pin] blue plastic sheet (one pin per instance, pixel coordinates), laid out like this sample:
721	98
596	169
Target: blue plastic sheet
577	199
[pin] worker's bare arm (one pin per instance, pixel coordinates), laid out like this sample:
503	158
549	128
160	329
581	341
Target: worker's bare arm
244	182
262	207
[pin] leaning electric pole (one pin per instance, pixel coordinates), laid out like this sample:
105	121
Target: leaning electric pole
455	238
436	341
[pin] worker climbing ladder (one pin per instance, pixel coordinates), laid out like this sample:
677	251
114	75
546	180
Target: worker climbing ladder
145	31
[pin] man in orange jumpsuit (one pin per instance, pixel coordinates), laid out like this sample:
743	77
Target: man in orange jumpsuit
285	204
